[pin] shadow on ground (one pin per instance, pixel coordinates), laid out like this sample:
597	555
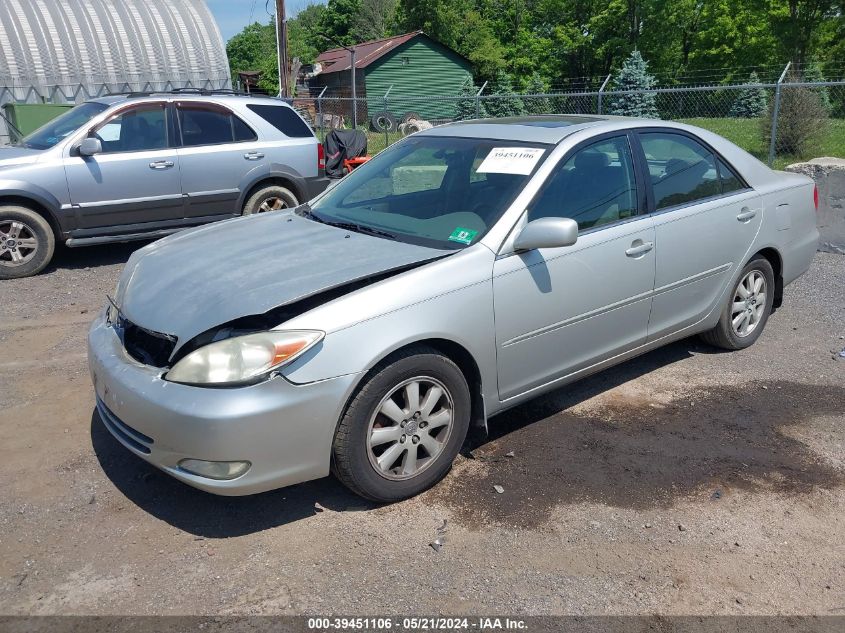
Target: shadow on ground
639	454
206	514
93	256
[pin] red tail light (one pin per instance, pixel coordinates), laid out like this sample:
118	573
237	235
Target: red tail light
321	158
816	197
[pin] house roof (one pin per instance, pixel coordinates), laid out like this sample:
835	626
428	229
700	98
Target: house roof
338	59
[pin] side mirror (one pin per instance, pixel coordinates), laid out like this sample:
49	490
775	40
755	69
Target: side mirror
547	233
90	146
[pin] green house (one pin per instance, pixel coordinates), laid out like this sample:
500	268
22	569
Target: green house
409	65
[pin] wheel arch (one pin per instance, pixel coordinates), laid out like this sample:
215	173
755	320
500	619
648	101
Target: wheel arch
37	206
452	350
773	256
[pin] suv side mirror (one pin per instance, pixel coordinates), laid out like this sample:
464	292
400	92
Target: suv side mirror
547	233
90	146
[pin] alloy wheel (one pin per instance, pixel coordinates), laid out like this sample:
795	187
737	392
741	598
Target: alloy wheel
410	428
274	203
749	303
18	243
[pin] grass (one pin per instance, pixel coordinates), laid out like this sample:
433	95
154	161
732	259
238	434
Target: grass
746	134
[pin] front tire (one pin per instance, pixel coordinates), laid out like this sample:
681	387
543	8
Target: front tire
747	307
404	428
27	242
271	198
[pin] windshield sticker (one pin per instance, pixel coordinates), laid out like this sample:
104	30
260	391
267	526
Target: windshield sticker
462	235
510	160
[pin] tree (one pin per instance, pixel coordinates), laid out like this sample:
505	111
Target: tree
376	20
537	105
465	106
634	76
337	22
751	102
802	119
505	101
254	48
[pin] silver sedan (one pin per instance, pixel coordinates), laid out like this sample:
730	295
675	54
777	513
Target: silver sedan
460	272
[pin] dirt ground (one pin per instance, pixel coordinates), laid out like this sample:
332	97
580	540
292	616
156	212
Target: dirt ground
683	482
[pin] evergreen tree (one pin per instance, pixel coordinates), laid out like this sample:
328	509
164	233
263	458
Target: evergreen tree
634	76
537	105
813	72
751	102
465	106
505	102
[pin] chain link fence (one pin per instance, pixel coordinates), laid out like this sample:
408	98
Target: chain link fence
806	119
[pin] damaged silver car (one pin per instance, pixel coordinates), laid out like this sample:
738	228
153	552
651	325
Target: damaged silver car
460	272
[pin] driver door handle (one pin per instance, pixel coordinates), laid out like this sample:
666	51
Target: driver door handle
640	249
161	164
746	214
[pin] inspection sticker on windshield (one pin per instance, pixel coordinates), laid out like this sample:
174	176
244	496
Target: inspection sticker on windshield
510	160
462	235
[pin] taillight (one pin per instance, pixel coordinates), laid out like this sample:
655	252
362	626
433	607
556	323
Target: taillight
816	197
321	158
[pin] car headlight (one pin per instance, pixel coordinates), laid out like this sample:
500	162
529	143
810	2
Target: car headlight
242	359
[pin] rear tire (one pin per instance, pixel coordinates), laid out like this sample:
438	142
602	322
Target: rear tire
27	242
271	198
403	429
747	307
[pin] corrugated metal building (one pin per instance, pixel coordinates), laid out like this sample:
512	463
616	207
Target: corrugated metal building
413	64
63	51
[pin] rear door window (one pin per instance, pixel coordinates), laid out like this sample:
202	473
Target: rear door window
283	119
207	124
682	170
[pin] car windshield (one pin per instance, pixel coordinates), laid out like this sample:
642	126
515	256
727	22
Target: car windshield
444	192
54	131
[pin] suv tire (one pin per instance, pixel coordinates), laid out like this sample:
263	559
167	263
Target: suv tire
403	429
270	198
27	242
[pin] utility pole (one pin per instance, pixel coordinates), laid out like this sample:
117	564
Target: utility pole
282	49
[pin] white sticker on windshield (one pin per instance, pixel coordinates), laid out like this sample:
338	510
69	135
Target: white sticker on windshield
510	160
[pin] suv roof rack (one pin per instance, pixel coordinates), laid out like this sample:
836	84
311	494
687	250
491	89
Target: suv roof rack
205	92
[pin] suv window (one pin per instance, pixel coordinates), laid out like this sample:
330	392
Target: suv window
595	186
283	119
681	169
137	129
206	124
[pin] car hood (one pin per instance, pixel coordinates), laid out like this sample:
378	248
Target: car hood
11	156
193	281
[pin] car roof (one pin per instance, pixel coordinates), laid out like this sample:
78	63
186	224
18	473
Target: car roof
550	129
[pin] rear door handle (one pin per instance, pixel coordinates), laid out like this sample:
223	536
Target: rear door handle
639	249
746	214
253	155
161	164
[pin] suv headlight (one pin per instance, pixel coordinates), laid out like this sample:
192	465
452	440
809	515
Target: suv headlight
242	359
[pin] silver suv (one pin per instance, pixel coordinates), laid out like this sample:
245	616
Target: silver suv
143	165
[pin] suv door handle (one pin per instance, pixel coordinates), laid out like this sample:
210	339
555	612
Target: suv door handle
639	249
253	155
746	214
161	164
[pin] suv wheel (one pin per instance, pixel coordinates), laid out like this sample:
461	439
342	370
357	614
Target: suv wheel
404	428
26	242
271	198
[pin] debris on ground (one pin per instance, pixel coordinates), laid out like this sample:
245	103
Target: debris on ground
510	454
717	494
437	543
498	489
682	527
318	507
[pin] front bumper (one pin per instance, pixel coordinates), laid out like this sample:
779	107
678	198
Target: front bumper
284	430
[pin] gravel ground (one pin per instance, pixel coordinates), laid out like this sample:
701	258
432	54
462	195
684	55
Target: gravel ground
683	482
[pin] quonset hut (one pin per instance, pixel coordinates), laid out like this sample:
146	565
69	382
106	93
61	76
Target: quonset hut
66	51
